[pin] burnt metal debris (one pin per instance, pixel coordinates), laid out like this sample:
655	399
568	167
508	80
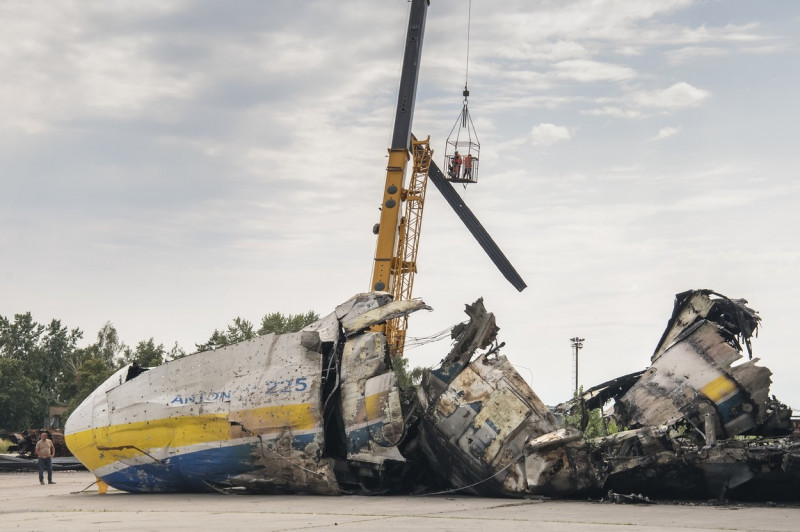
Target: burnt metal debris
24	443
322	411
699	426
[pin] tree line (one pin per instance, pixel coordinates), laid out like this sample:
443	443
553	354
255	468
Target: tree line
42	365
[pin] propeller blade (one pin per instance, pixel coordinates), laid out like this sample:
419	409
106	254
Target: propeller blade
475	227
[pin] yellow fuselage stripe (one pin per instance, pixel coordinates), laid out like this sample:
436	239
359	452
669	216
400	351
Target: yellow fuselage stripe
719	388
374	405
129	439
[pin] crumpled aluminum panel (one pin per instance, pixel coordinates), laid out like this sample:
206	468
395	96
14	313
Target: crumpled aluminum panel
692	377
354	323
479	415
371	411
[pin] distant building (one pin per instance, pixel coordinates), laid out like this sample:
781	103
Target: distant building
53	419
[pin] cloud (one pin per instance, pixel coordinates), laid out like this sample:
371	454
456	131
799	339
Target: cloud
548	134
580	19
585	70
614	111
694	53
677	96
642	104
665	132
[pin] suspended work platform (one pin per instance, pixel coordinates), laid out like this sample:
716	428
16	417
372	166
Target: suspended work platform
462	151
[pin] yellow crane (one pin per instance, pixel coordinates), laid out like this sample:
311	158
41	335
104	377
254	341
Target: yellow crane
398	233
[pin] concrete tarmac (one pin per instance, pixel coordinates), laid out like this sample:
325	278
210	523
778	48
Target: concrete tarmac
73	503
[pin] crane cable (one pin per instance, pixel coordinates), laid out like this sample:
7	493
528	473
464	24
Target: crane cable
465	108
469	23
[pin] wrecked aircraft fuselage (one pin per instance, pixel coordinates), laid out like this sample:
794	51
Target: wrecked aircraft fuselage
700	425
279	413
320	411
692	376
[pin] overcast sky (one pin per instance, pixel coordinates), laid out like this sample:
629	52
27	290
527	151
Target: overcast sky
169	165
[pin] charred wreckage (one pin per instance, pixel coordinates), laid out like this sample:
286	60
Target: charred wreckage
321	411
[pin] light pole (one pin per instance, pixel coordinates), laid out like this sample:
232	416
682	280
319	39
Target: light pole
577	343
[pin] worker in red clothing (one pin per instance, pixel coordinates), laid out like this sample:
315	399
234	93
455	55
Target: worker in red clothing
468	166
455	166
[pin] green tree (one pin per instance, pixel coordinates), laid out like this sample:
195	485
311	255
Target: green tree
407	380
68	383
108	347
92	372
589	420
217	339
238	331
22	406
85	369
20	337
277	323
241	329
148	355
56	347
41	351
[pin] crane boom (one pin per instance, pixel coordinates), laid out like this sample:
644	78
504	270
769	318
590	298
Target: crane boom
398	234
404	265
398	152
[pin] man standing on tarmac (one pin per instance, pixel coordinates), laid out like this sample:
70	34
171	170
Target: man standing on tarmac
45	451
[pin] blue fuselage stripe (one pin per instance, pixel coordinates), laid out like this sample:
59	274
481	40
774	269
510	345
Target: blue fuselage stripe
191	471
